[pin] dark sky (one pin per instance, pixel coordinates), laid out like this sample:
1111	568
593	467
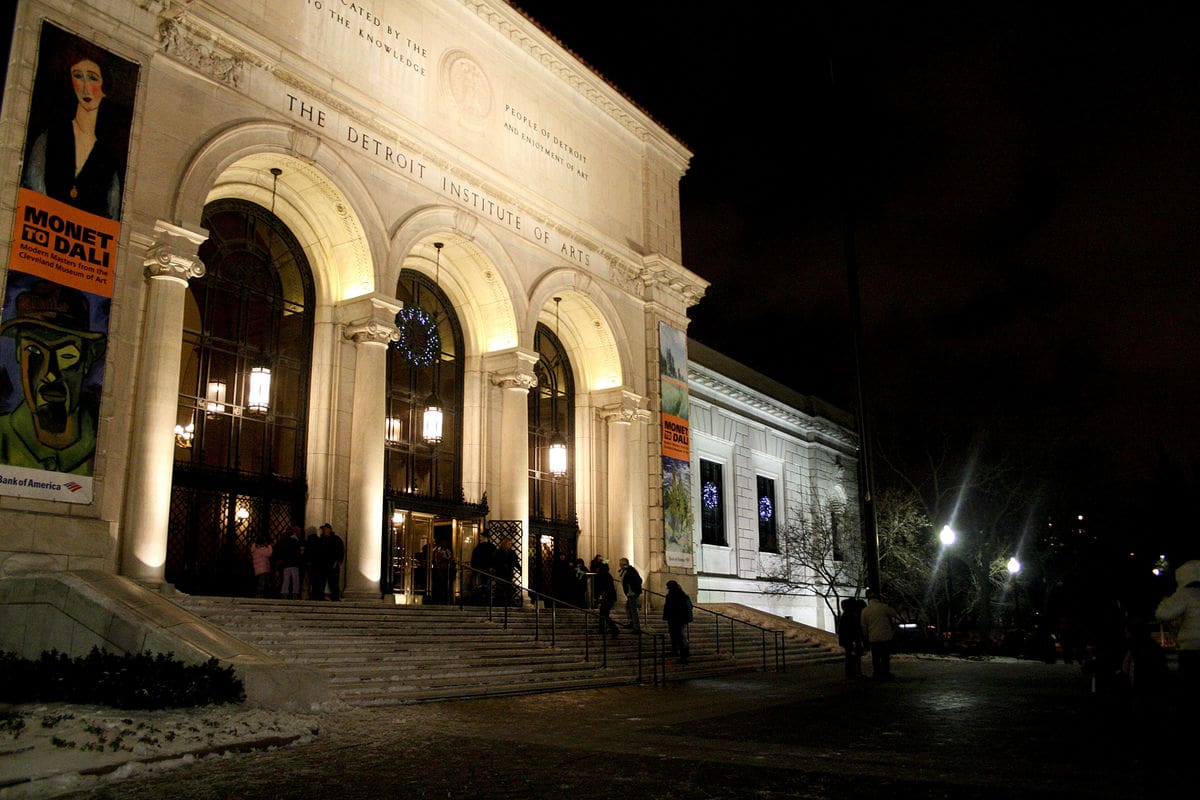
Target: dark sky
1024	187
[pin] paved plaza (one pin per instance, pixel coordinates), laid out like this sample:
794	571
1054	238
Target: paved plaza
945	728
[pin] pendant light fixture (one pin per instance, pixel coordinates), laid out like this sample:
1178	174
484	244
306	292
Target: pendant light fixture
431	420
258	400
558	446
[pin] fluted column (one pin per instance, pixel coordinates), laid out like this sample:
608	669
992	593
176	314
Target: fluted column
169	262
372	328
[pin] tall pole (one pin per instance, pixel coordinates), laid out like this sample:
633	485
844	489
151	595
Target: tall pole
866	471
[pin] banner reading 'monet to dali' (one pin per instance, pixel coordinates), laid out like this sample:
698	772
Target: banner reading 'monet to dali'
676	454
58	288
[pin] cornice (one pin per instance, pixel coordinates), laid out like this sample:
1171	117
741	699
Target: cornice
805	425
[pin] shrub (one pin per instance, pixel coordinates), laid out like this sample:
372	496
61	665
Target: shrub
141	680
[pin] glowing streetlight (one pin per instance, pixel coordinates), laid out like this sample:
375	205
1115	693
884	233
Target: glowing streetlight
1013	566
948	536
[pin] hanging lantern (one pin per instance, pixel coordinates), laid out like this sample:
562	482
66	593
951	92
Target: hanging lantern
215	397
431	421
259	401
392	430
558	457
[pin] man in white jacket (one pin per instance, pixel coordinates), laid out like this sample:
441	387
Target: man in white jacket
1184	607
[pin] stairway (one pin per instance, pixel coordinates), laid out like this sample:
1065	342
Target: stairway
375	654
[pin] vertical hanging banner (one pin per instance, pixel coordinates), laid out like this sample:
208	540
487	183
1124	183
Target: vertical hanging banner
59	285
676	452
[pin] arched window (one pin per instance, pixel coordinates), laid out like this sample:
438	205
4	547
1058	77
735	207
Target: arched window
552	521
243	390
426	362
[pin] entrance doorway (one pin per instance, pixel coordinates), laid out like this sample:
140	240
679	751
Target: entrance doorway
422	553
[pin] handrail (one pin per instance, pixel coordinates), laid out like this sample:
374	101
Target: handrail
779	641
552	605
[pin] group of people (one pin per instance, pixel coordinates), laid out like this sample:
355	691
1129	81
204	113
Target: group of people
294	566
488	562
867	626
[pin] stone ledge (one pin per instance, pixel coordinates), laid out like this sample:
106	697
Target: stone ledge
126	617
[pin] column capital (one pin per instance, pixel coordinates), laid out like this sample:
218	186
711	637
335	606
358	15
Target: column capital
619	405
370	319
170	250
512	369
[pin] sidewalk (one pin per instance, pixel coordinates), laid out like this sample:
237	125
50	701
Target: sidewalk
944	728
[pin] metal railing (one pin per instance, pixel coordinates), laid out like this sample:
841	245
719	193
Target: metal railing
775	651
482	589
772	644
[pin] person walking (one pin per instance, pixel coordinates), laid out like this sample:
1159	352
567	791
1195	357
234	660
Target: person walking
878	619
631	585
677	611
331	553
1183	608
606	596
850	635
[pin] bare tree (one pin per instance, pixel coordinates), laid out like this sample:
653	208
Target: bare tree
907	553
821	552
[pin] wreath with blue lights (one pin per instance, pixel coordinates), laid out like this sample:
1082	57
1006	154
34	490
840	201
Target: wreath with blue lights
766	509
419	339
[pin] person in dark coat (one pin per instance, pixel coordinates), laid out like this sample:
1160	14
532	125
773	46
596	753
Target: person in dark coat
331	552
631	585
606	595
443	570
483	562
506	570
288	554
677	611
562	578
850	635
313	570
579	583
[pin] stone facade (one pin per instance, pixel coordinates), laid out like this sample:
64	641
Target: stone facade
450	142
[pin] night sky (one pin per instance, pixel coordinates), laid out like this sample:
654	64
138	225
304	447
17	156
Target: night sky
1023	185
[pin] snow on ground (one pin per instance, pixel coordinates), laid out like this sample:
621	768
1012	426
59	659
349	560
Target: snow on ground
47	749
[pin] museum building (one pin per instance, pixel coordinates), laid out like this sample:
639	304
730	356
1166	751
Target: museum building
408	267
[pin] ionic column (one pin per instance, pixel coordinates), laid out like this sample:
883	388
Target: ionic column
372	329
170	262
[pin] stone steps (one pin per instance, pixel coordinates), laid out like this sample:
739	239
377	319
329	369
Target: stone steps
374	654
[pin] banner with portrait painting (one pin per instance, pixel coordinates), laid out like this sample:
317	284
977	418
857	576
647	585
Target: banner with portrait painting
676	450
59	282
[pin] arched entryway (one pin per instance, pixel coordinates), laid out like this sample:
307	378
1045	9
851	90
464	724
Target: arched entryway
428	524
239	472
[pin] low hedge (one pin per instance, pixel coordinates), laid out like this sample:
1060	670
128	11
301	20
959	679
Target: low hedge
142	680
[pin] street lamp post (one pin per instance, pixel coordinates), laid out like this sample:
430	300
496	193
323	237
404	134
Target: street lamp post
947	537
1014	566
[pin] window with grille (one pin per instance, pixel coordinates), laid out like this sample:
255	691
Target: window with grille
768	540
712	503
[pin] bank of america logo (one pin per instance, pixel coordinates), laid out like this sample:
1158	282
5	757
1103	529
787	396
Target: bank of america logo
73	486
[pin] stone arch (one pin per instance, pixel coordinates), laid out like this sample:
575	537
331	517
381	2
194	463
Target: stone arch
590	329
475	273
338	225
